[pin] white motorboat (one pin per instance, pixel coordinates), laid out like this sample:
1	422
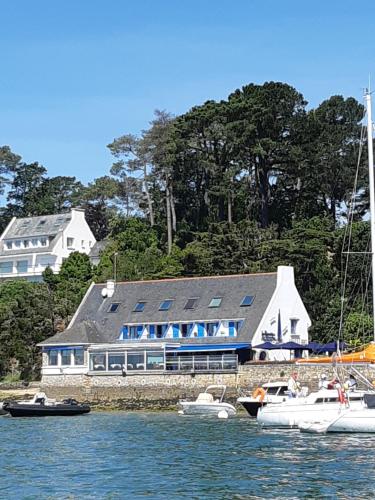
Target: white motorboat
318	407
269	393
207	404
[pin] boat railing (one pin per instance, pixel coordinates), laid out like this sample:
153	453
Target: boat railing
203	363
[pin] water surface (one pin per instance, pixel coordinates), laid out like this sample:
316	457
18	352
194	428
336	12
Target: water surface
159	455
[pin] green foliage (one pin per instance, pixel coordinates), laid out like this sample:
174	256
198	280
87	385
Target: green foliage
26	319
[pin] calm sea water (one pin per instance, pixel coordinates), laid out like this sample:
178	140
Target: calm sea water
156	455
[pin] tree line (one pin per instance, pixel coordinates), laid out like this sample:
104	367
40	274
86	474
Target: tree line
237	186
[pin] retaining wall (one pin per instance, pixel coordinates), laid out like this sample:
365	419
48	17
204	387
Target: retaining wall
162	391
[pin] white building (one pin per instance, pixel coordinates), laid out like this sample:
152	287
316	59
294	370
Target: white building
173	325
30	244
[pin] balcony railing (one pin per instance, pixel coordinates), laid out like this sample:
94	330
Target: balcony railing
203	363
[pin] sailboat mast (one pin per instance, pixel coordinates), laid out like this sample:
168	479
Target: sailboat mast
372	194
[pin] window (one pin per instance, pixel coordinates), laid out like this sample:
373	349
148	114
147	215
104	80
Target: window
293	326
17	243
215	302
136	361
6	267
70	242
160	331
97	361
186	329
43	241
8	245
113	307
83	243
26	243
211	329
139	307
52	357
65	356
247	300
78	356
191	303
135	331
154	361
116	361
22	266
34	242
165	305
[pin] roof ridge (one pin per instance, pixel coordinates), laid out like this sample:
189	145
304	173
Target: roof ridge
191	278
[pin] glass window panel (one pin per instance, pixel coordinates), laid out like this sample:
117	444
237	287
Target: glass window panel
116	361
6	267
78	356
136	361
139	306
97	361
165	305
53	357
247	300
65	356
191	303
215	302
22	266
9	245
70	242
154	361
43	242
113	307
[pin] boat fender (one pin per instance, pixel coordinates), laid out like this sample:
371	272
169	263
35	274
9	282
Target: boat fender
259	393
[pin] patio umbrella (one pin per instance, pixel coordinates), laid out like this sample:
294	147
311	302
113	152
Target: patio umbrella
314	346
267	345
292	345
332	347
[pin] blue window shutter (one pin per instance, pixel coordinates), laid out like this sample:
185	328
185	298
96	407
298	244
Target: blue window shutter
151	330
200	329
176	331
190	329
139	330
124	333
231	329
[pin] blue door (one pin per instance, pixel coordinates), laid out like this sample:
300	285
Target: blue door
200	329
151	330
232	332
124	333
176	331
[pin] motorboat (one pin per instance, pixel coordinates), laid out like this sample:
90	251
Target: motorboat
2	411
325	404
42	406
268	393
208	404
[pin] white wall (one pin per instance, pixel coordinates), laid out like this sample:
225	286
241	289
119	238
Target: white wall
287	300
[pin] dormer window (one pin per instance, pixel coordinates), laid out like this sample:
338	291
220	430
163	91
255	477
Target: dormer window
8	245
43	241
26	243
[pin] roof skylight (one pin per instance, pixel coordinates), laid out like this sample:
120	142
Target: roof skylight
247	300
165	305
139	307
215	302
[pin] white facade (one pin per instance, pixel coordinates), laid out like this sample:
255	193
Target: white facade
285	314
26	255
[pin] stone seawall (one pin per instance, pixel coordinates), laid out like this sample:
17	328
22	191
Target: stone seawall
162	391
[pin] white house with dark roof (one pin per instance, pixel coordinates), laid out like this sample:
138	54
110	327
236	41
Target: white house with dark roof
28	245
195	324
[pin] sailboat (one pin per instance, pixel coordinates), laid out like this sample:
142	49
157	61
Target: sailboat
343	413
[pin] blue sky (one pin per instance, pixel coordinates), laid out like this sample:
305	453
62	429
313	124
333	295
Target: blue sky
76	74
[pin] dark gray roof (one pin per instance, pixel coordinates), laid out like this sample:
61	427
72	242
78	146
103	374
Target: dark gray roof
232	289
86	332
98	247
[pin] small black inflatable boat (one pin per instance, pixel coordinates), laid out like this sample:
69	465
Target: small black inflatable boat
41	406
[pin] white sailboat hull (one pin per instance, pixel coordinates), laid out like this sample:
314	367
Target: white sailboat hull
354	420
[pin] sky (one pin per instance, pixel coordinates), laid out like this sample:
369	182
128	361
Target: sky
75	74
